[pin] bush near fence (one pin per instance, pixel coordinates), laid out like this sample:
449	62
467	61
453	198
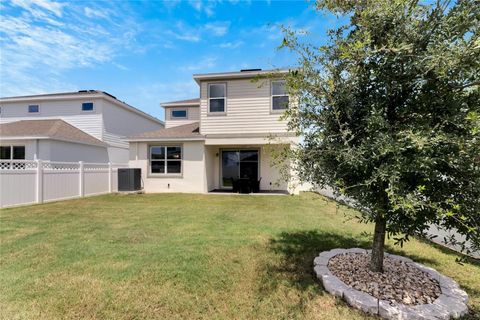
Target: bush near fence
25	182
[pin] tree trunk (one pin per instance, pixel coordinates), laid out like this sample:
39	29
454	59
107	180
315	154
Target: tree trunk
376	262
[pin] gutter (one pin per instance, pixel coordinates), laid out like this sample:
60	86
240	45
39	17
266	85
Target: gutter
165	139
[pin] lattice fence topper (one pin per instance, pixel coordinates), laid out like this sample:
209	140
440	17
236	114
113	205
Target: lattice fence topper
18	165
61	166
36	181
95	166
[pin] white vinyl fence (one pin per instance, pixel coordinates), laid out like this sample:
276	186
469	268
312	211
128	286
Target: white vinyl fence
27	182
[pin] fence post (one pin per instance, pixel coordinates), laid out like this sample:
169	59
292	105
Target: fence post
39	182
109	177
80	179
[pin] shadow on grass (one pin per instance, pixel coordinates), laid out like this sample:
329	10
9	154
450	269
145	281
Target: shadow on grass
291	266
298	249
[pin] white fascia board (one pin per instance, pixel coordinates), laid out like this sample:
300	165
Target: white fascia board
235	75
102	145
53	97
22	138
171	105
164	139
250	141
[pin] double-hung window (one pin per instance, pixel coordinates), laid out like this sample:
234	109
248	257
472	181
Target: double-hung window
12	153
279	95
165	160
178	114
217	94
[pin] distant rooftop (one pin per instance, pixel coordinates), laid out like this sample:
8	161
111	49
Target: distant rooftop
70	93
188	102
79	94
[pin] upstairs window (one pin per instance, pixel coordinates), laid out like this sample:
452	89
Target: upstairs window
87	106
33	108
165	160
179	114
217	93
279	96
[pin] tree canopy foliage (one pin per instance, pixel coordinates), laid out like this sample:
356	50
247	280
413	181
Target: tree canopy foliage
389	110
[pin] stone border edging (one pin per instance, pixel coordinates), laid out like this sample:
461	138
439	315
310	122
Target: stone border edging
452	302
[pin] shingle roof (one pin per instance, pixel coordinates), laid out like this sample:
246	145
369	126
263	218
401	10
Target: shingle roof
187	131
188	102
53	129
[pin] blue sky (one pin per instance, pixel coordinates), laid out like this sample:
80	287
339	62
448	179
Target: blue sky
143	52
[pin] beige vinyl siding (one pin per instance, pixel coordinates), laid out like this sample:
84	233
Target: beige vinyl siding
193	115
248	110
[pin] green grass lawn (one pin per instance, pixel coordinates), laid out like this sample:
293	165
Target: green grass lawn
177	256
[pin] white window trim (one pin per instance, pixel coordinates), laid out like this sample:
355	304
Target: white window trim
276	95
11	151
34	104
165	174
93	109
179	118
208	99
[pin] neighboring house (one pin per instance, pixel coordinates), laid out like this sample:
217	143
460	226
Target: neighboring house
87	125
224	134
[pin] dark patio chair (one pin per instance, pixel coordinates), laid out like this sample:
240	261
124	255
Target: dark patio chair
244	185
255	185
235	187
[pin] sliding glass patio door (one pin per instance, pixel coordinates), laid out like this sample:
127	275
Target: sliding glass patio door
238	164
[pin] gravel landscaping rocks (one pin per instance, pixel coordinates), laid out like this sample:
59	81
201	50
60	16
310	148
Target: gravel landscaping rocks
405	290
400	282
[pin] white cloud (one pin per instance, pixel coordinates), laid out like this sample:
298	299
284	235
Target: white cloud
37	47
203	64
231	45
185	32
95	13
184	36
190	33
40	8
218	28
206	7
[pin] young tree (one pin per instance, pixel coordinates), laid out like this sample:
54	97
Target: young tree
390	114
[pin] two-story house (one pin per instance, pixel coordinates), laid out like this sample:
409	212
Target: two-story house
87	125
221	139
